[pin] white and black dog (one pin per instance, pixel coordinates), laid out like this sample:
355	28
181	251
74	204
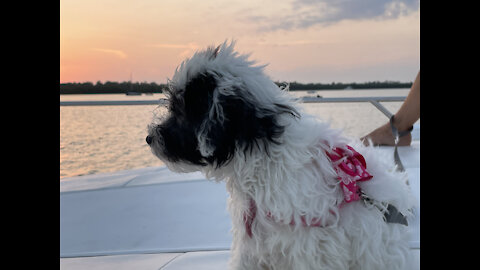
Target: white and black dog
300	197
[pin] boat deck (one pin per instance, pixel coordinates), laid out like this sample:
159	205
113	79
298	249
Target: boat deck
152	218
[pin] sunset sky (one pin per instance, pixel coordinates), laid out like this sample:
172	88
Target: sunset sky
302	40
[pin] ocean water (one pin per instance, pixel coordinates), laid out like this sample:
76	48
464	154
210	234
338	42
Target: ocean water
98	139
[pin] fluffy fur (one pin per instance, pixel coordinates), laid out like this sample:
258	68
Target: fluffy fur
227	119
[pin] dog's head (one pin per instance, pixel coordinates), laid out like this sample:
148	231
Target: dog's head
218	103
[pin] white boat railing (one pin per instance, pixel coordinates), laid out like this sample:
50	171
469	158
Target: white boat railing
373	100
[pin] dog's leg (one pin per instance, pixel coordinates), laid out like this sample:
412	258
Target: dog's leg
243	258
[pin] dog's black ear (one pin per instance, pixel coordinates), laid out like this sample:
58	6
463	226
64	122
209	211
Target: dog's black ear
244	125
198	97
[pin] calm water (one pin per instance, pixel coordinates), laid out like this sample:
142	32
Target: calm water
97	139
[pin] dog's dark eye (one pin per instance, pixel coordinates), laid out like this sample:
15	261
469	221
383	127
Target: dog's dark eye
171	107
175	105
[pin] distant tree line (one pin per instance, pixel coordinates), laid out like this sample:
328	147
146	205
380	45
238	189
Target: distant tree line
110	88
333	85
144	87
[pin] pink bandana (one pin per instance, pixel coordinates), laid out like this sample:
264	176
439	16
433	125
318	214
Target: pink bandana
350	167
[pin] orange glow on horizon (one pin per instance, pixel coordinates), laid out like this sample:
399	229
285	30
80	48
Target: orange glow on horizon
106	40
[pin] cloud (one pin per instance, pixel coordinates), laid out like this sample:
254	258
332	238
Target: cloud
191	46
307	13
117	53
295	43
187	49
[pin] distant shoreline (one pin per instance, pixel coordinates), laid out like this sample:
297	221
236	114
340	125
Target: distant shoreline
150	88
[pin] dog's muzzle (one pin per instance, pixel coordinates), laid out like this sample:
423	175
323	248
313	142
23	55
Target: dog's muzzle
149	139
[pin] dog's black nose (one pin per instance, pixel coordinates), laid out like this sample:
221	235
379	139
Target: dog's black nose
149	139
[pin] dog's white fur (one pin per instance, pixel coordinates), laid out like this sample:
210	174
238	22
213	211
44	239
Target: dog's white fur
297	179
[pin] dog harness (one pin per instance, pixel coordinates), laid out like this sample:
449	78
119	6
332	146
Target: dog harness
350	167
